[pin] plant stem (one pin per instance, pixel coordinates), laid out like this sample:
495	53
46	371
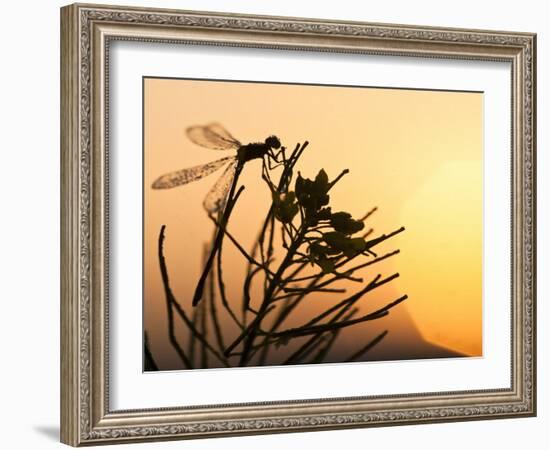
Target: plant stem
370	213
169	301
221	289
367	347
284	180
149	363
250	259
269	293
204	332
250	331
305	331
213	309
340	309
323	351
225	217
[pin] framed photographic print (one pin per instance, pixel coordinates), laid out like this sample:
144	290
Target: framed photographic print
276	224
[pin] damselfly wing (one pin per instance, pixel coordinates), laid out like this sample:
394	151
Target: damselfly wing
212	136
215	137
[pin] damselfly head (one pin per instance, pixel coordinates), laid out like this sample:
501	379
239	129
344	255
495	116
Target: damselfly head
273	142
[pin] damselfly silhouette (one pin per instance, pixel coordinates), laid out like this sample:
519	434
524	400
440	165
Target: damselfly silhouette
215	137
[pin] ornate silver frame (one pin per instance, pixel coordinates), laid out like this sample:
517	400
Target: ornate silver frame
86	31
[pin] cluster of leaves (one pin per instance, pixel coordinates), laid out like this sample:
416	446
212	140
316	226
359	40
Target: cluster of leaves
329	235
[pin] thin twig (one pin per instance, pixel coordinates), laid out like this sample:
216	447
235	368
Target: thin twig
370	213
286	310
192	339
290	306
214	310
254	324
199	335
221	289
231	200
360	266
323	351
250	259
373	284
253	328
314	289
367	347
173	302
337	179
305	331
342	308
204	331
369	263
169	301
247	285
149	363
367	233
373	242
258	245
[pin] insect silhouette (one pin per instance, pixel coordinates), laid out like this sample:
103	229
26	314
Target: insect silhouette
214	136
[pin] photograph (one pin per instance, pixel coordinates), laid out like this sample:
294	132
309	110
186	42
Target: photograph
288	224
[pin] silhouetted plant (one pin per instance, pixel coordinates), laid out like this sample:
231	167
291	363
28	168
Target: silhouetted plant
317	248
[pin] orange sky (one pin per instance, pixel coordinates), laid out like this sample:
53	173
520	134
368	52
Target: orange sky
417	155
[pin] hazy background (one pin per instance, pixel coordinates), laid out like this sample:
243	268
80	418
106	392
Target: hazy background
417	155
